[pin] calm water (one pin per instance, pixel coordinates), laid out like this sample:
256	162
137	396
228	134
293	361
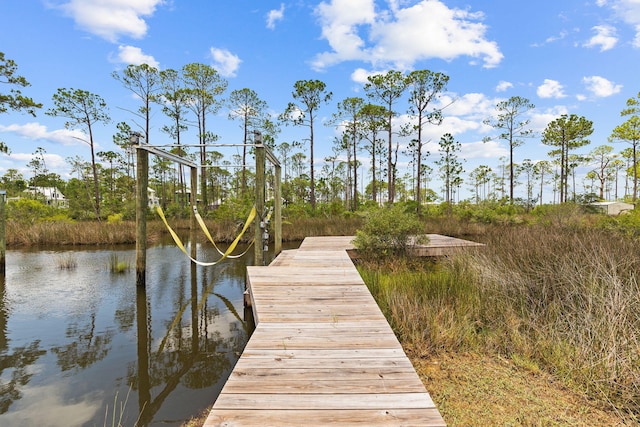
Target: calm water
74	342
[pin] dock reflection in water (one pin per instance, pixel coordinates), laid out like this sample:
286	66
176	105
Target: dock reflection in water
83	346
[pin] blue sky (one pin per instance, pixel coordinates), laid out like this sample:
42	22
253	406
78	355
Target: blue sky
569	56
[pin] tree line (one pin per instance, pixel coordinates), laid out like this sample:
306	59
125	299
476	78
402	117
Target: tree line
188	97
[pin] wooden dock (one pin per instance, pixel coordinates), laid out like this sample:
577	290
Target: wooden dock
322	352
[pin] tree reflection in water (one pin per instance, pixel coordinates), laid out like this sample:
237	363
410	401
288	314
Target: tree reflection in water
86	348
15	363
91	335
189	354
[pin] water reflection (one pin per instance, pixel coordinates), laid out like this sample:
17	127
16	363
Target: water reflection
86	346
14	364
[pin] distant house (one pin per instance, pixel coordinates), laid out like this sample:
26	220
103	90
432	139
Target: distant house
51	196
612	208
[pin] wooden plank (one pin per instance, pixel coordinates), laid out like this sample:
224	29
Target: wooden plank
267	273
283	258
326	332
314	317
336	417
339	354
352	342
333	401
287	385
324	363
294	290
326	309
344	325
283	376
308	279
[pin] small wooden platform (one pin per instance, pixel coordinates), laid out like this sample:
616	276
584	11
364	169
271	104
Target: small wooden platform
440	245
437	246
322	352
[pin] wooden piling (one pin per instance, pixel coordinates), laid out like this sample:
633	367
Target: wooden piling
142	205
260	226
194	204
277	212
3	231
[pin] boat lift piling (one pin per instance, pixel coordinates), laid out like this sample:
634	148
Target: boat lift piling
262	154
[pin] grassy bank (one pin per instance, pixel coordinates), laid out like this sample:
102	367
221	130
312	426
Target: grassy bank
552	300
44	233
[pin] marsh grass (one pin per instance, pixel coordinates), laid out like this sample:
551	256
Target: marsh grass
296	229
72	233
565	300
114	416
117	265
69	233
66	262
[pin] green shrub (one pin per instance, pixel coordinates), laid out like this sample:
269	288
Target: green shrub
627	224
297	210
29	211
233	209
387	230
560	215
173	210
115	218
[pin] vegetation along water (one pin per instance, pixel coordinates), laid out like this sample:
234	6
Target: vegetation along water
540	326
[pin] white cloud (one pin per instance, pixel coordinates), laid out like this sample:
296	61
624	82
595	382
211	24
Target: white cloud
274	16
36	131
470	105
503	86
552	39
540	119
55	162
340	22
360	75
561	36
550	89
601	87
628	11
225	62
53	410
456	126
399	37
605	38
111	19
483	150
135	56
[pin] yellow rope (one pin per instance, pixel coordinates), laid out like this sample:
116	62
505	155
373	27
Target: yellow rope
226	254
205	229
206	232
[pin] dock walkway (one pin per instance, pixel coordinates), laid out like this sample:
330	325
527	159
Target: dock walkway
322	352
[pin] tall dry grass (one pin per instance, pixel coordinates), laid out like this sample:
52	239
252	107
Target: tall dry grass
68	233
296	229
564	299
575	298
41	233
